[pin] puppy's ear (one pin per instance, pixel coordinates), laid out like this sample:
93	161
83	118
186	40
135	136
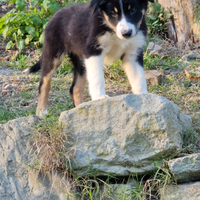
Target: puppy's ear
96	4
152	1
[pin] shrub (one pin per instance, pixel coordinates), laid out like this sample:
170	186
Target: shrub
25	23
157	18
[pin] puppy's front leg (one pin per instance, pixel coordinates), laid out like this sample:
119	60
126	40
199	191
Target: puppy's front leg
95	76
133	65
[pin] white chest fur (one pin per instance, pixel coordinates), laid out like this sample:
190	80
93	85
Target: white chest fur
114	48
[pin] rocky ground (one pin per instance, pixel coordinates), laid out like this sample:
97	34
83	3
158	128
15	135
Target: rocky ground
19	94
136	139
19	91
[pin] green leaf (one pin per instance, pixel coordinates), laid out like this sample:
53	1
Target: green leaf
20	4
155	22
28	39
157	6
21	44
27	23
5	32
53	7
2	25
11	2
9	45
153	17
45	4
19	32
30	30
33	3
41	39
36	21
14	36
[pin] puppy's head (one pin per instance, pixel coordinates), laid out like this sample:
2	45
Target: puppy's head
123	16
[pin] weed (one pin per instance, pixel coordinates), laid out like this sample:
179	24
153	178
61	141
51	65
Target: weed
21	62
154	62
24	25
50	146
9	112
65	67
115	72
160	178
157	18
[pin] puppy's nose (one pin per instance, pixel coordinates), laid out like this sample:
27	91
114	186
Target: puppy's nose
127	34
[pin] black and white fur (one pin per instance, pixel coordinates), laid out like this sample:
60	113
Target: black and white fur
94	34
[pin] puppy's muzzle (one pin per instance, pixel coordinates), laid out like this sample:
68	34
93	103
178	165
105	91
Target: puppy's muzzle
127	34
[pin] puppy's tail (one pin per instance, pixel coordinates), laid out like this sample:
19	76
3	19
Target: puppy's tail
33	69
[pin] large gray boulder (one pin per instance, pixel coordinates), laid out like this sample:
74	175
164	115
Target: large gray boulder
17	180
124	134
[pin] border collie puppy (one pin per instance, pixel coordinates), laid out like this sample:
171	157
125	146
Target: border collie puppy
93	34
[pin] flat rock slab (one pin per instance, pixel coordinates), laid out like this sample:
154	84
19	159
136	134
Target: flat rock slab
187	168
124	134
190	191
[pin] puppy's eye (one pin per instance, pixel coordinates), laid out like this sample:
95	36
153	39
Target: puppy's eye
133	11
114	14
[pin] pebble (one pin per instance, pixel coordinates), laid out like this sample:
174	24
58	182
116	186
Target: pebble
4	7
7	87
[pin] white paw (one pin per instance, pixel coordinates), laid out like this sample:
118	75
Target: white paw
26	71
103	97
41	114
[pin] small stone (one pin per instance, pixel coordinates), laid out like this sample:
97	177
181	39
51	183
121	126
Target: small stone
186	168
4	92
4	7
153	77
190	191
7	87
157	48
187	59
154	49
150	46
191	57
167	72
62	100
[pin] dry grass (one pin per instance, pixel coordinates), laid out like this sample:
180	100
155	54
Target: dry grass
152	186
51	148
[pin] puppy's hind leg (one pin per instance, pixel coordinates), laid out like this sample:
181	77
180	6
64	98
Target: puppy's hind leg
49	67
